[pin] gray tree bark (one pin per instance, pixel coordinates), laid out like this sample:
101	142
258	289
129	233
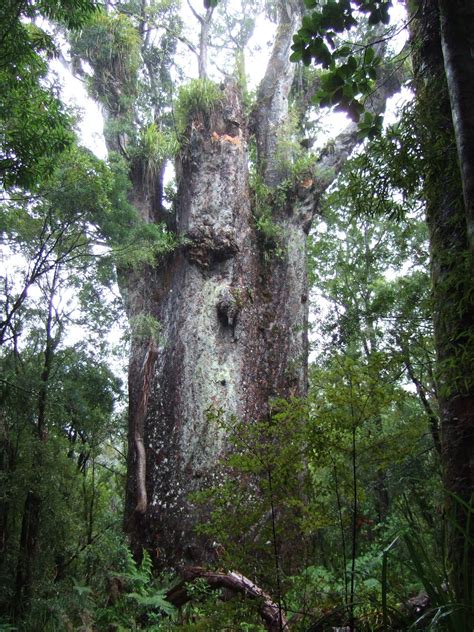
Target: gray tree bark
457	39
232	309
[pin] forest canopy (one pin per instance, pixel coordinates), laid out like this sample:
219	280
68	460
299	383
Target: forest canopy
291	305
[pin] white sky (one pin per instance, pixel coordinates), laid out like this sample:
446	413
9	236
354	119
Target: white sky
256	59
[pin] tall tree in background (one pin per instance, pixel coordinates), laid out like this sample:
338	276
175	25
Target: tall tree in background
50	191
443	85
49	241
34	126
230	300
449	224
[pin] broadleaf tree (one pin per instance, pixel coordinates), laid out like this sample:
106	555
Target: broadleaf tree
440	39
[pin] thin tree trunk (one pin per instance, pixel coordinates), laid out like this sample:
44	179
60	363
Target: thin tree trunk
433	418
31	518
204	43
27	551
7	467
457	38
382	498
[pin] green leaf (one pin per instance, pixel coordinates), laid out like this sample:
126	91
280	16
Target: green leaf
344	51
352	64
348	91
297	55
354	109
372	72
156	601
369	55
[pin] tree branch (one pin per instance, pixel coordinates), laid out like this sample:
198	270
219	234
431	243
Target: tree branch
273	617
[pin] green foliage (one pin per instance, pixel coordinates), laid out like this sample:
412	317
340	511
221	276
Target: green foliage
212	611
110	43
34	125
300	504
145	244
289	483
57	228
154	148
115	592
96	195
197	98
270	233
358	445
263	492
453	281
294	161
445	612
79	189
88	391
351	68
70	13
265	201
297	168
141	597
145	327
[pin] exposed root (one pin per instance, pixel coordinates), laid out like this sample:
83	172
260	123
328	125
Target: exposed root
273	617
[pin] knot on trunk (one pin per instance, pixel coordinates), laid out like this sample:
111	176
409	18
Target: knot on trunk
207	246
228	308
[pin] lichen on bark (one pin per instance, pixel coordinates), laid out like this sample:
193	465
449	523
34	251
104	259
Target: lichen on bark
232	307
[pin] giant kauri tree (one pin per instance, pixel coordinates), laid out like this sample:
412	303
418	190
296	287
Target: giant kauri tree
221	313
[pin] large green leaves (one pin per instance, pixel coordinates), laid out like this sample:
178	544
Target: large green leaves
351	69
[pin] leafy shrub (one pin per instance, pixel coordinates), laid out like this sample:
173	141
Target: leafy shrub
199	96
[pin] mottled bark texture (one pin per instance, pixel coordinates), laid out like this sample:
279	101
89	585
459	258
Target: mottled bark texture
232	335
453	291
232	307
232	315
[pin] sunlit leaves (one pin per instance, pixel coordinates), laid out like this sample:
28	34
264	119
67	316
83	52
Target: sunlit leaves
351	69
34	126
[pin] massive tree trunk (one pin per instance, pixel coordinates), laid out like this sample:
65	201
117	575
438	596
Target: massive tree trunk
453	292
231	303
233	335
212	349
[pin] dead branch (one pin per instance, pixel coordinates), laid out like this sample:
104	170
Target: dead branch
273	617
